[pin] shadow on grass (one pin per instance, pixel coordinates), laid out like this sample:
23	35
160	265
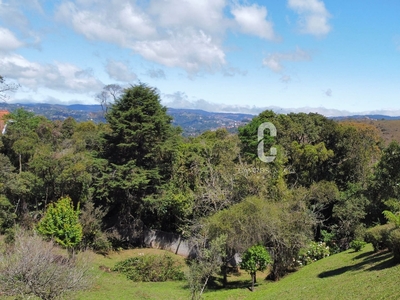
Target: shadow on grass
216	283
378	260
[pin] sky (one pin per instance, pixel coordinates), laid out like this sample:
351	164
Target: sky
218	55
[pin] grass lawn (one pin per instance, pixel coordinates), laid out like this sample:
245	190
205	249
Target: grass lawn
348	275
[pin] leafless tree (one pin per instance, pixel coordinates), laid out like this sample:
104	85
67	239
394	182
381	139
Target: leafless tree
6	87
109	94
33	267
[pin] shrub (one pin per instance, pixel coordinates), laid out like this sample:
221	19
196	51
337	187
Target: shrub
394	239
150	268
315	251
378	236
33	267
92	235
254	259
7	215
329	238
357	245
61	223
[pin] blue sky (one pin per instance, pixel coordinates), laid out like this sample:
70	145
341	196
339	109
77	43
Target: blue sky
221	55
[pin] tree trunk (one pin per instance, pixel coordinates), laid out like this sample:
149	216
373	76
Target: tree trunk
253	277
224	270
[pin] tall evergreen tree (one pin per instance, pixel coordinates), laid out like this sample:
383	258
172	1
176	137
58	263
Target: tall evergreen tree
140	149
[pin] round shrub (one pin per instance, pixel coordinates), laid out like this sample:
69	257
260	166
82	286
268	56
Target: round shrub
315	251
378	236
151	268
357	245
394	239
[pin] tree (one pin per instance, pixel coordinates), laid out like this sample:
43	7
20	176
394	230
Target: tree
140	148
109	94
207	262
61	223
254	259
6	87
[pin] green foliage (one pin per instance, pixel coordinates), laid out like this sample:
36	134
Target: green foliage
284	226
150	268
315	251
379	236
92	235
208	261
61	223
357	245
254	259
140	149
394	240
392	218
7	215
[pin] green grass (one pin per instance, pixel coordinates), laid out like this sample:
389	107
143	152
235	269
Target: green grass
347	275
112	285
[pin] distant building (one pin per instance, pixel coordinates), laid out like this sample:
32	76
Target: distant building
2	123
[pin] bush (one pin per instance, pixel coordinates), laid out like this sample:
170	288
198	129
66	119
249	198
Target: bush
357	245
92	235
150	268
315	251
378	236
329	238
61	223
394	240
32	267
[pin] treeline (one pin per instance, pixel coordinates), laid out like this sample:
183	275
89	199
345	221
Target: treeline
329	181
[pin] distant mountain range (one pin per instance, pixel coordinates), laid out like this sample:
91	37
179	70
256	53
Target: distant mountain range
192	121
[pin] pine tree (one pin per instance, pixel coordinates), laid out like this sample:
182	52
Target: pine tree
140	149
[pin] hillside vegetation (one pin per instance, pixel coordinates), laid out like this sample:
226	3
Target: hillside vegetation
355	275
284	191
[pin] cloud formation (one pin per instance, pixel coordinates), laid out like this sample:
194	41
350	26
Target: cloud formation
252	20
120	71
274	61
313	16
185	34
8	41
58	76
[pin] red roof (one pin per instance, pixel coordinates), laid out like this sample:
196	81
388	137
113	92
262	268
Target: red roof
2	113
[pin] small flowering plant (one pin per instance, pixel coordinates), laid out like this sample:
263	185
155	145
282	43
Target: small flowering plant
315	251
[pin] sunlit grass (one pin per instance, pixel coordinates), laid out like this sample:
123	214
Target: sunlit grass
347	275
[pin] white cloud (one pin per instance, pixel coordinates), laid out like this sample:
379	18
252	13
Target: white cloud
186	34
111	21
274	61
120	71
153	34
8	41
313	16
207	15
57	76
252	20
191	50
